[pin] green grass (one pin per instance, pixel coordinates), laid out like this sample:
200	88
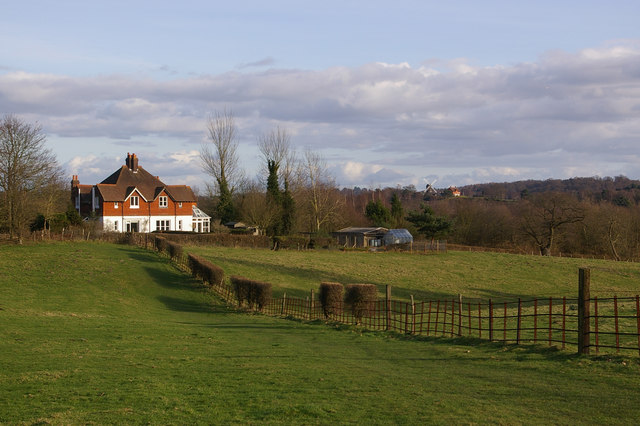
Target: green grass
97	333
472	274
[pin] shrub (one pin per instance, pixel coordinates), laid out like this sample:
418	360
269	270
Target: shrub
361	299
260	294
175	249
212	274
160	244
256	294
126	238
241	288
195	264
331	298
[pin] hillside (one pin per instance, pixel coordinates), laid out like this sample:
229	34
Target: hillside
585	188
99	333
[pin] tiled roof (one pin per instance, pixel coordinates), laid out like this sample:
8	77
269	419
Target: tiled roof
123	181
181	193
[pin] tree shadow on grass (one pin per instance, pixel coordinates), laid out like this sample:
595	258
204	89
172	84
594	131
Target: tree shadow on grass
186	305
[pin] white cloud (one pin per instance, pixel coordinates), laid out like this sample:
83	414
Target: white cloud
503	122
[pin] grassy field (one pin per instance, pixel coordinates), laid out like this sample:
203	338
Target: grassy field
98	333
472	274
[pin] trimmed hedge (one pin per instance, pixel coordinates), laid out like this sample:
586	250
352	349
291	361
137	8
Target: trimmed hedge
361	299
255	293
160	244
205	270
175	249
330	295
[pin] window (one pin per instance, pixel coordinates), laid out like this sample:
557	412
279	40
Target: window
179	225
163	201
115	205
162	225
180	205
135	202
115	224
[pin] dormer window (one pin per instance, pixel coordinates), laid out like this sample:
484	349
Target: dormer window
134	202
163	201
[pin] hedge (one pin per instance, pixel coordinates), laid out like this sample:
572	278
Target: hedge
205	270
330	295
175	249
255	293
361	299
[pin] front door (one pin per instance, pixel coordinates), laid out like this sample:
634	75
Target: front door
132	227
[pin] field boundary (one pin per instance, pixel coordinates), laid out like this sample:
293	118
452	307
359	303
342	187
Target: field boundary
585	324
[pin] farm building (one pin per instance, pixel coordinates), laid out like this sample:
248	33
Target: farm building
372	237
133	200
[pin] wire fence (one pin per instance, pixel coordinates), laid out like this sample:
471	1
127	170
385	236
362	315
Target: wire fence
605	325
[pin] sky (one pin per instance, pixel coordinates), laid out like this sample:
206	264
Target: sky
389	93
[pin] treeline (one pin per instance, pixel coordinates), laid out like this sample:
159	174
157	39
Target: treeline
576	217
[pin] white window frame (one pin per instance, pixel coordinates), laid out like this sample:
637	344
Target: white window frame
134	202
163	201
163	225
115	205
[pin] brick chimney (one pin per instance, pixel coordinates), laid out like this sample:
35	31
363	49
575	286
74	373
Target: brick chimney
74	182
132	162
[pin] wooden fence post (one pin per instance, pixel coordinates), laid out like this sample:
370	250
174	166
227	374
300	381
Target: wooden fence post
459	314
311	306
284	304
584	281
413	316
388	306
490	321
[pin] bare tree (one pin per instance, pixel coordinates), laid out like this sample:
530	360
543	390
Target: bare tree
276	146
281	164
322	200
26	167
546	214
220	161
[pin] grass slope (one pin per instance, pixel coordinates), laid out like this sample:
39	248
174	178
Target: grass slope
97	333
472	274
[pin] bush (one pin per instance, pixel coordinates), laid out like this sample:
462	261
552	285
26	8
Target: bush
241	288
175	249
212	274
205	270
260	294
331	298
361	299
160	244
257	294
195	264
126	238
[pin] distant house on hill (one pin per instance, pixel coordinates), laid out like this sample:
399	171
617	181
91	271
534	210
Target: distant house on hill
372	237
133	200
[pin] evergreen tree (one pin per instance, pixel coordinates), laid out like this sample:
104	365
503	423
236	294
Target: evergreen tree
377	213
430	225
397	212
288	205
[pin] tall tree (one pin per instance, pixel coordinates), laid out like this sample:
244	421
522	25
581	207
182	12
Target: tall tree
322	200
377	213
397	211
220	161
26	168
280	159
544	215
430	225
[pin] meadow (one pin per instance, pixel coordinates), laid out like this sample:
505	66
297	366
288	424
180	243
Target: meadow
480	275
101	333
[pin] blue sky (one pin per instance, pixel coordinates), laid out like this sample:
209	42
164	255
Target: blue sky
389	94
